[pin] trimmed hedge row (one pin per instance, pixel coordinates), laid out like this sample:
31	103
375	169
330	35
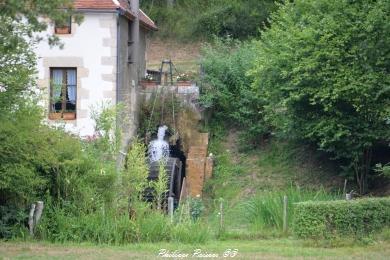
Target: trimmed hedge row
327	219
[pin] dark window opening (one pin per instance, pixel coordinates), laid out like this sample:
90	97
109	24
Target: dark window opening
130	44
63	93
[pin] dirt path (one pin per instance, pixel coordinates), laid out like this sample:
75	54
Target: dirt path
185	56
253	173
48	251
231	145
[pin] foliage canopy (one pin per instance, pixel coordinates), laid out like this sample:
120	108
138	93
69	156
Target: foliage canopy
227	89
323	67
187	19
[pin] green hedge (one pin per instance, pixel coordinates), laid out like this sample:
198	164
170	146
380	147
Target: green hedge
329	219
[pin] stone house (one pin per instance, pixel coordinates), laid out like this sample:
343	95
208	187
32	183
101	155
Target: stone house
102	61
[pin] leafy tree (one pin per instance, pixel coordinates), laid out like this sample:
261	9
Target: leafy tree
203	18
238	19
383	169
324	67
34	159
16	63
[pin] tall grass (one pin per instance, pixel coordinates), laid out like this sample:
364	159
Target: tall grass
265	211
114	228
100	227
153	227
191	233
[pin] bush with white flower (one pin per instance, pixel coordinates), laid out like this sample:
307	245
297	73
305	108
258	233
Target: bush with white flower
148	77
183	77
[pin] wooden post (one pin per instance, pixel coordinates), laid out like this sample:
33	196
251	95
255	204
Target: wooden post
38	212
170	208
31	219
34	216
285	201
183	192
221	215
345	187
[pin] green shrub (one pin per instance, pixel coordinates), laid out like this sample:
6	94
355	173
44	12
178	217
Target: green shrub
59	167
196	207
11	221
341	218
266	211
66	172
226	88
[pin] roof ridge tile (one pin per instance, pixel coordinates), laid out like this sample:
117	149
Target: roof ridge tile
112	5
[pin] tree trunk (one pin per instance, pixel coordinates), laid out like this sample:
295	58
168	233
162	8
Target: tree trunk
362	169
170	3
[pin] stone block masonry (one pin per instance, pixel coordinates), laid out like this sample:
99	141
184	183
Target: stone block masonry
199	166
195	176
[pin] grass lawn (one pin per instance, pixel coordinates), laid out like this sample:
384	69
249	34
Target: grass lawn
254	249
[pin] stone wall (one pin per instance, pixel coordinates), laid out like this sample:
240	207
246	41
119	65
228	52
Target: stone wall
199	165
91	50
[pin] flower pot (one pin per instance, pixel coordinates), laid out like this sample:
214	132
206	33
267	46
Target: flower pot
62	30
62	116
184	83
148	83
69	116
55	116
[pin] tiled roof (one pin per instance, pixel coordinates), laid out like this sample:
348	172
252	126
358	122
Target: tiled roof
122	5
146	21
94	4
